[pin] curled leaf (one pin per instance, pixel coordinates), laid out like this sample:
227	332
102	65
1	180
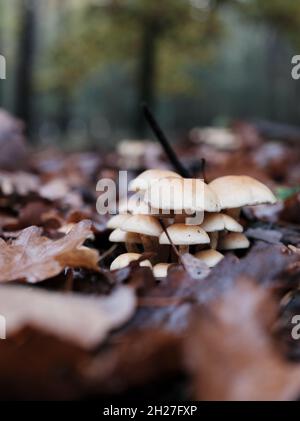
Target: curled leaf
34	258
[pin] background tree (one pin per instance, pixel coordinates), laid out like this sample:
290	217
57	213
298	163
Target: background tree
85	66
172	33
25	61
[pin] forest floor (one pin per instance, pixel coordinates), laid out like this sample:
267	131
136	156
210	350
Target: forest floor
76	330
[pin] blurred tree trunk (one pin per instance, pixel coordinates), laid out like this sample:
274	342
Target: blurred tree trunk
25	62
271	71
2	17
147	73
64	111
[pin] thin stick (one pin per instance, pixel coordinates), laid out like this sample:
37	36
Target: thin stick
203	169
108	252
165	143
180	260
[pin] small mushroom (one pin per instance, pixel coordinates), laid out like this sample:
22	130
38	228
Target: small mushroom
116	221
147	226
210	257
214	238
235	191
215	222
137	205
181	195
132	152
219	222
124	260
233	241
142	181
230	224
130	239
161	270
184	235
220	138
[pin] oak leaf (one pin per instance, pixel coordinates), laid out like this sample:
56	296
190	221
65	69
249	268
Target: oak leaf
34	258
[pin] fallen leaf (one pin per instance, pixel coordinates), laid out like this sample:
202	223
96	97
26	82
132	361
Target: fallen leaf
271	236
54	189
291	209
36	212
135	360
195	268
19	182
268	213
232	355
80	319
34	258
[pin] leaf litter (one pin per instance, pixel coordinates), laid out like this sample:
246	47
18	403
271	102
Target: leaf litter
75	330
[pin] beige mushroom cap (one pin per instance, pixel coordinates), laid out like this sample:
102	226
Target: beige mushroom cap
161	270
233	241
142	181
235	191
182	234
123	205
125	259
120	236
182	194
230	224
117	220
213	222
219	221
143	224
210	257
137	205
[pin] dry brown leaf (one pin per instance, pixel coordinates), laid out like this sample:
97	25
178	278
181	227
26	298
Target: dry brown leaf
54	189
294	249
80	319
194	267
271	236
233	355
35	258
291	209
137	359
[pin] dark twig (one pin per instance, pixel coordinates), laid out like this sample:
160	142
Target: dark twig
108	252
180	259
169	238
165	143
203	169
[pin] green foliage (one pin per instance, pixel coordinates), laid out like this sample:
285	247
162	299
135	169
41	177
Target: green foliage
284	193
93	36
282	14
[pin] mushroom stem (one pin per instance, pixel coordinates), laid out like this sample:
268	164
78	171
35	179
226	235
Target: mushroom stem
163	252
173	257
150	244
183	249
234	213
179	218
214	238
131	247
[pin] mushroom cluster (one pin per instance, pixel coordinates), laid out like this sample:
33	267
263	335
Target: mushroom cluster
168	210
